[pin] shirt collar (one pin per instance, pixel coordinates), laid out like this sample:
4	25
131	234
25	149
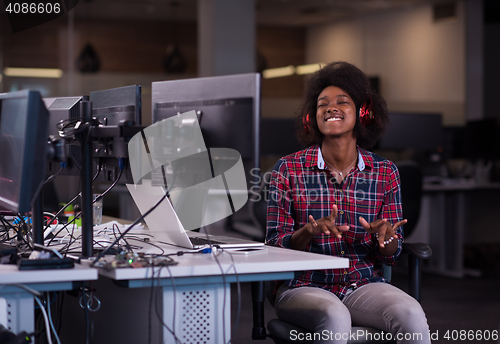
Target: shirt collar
362	157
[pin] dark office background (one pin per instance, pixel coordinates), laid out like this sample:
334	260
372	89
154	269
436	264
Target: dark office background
138	51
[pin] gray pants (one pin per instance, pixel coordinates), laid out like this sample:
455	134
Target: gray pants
378	305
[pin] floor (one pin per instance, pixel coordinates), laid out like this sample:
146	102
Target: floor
452	306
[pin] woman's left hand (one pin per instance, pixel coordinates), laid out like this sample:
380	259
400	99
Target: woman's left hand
383	228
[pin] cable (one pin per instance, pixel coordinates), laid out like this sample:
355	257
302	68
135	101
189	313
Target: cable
26	288
70	127
50	319
61	210
71	236
45	317
151	294
57	309
75	198
7	227
128	229
238	288
79	214
174	296
72	221
232	266
98	198
87	319
39	188
20	231
114	183
156	303
149	243
224	296
127	245
53	176
91	313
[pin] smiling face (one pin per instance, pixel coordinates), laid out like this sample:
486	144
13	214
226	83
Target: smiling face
335	112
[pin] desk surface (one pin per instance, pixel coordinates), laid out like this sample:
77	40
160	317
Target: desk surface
273	260
10	274
457	185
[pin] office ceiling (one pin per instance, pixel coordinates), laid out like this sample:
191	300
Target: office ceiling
268	12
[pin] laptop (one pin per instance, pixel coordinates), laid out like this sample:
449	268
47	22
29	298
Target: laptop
165	226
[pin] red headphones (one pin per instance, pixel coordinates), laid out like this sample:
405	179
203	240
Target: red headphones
366	113
306	122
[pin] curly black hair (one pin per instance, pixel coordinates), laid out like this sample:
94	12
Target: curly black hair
357	85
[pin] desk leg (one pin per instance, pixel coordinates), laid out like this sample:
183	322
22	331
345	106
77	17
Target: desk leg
456	217
448	216
20	312
202	313
435	208
462	214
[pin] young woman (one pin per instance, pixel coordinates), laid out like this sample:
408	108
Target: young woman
339	199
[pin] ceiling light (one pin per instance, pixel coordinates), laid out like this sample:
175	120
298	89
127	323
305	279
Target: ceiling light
278	72
309	68
33	72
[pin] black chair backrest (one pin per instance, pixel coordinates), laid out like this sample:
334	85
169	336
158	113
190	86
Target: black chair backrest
411	193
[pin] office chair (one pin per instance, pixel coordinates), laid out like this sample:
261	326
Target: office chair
279	330
411	177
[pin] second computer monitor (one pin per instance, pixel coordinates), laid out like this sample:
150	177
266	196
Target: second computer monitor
64	110
420	132
115	107
228	109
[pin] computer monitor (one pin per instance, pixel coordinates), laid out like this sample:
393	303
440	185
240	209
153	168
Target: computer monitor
419	132
23	149
228	109
116	105
277	137
481	139
64	109
112	108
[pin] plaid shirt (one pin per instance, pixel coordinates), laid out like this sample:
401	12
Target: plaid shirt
302	185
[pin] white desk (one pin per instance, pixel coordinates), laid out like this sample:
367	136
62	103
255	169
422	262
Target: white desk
443	222
19	304
199	298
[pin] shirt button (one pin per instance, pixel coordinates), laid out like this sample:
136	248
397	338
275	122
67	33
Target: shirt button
342	252
345	272
341	212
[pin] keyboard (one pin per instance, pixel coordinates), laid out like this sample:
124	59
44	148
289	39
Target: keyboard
198	241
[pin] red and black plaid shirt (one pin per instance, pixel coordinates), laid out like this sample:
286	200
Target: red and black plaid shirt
301	185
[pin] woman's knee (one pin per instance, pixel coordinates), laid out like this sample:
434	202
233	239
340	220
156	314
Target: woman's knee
336	319
314	309
409	315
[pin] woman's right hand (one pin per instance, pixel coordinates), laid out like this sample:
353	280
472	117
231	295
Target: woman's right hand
327	224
